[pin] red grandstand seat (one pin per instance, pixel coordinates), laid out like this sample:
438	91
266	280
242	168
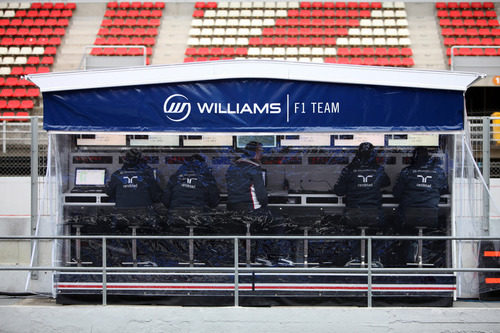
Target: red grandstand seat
355	52
11	81
203	51
447	32
382	61
343	52
490	52
241	51
487	41
330	41
13	104
124	5
47	61
368	52
344	61
50	50
228	52
466	14
215	52
19	93
474	41
477	52
369	61
191	51
24	114
493	23
7	114
488	5
33	60
6	92
121	51
457	23
393	52
381	52
408	62
330	60
406	52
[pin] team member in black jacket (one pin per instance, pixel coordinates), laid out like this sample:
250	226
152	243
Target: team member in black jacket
361	182
192	186
246	190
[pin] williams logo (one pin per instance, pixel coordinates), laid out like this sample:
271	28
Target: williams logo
177	107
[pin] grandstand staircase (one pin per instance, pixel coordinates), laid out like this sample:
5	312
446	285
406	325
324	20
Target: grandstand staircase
428	51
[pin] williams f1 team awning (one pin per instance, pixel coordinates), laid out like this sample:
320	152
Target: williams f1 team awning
253	96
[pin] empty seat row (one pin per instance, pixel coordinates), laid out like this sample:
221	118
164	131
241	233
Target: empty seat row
480	23
470	32
466	14
135	5
297	5
28	50
39	22
14	81
149	41
33	31
271	13
23	70
38	5
14	116
15	104
491	52
43	13
23	60
19	92
450	41
120	51
464	5
131	22
29	41
130	32
146	13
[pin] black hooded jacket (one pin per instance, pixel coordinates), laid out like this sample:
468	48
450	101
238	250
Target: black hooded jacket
192	186
420	185
361	182
133	186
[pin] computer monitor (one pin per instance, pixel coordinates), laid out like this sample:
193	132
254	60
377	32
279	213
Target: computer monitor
90	177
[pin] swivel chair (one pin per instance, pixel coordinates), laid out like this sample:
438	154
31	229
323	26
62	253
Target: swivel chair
420	218
362	219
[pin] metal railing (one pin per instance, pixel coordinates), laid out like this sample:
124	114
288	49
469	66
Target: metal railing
236	269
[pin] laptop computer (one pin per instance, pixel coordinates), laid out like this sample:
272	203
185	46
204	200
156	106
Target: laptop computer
89	180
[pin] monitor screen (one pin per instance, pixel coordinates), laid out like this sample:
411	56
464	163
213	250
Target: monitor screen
90	177
268	141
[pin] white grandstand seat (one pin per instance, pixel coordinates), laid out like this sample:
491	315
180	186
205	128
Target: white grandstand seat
222	13
205	41
304	51
38	50
354	41
279	52
379	41
281	5
293	4
402	23
231	32
399	5
365	23
317	60
14	50
197	23
20	60
400	14
304	59
376	14
229	41
342	41
246	13
246	5
292	52
367	41
258	4
220	23
404	41
403	32
268	22
195	32
242	41
233	13
223	5
4	70
9	13
243	32
217	41
244	23
391	32
292	59
257	13
387	5
233	22
209	22
234	5
210	13
266	52
281	13
377	23
219	32
389	23
366	32
3	50
207	32
354	32
269	5
4	5
257	23
388	14
269	13
392	41
193	41
317	52
8	61
24	5
255	32
330	52
253	51
378	32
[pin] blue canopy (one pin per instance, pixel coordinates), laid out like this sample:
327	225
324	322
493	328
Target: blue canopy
253	96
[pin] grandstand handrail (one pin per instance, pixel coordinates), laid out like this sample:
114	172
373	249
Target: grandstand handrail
369	270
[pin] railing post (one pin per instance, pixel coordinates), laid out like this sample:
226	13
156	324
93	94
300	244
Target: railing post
4	136
369	276
486	172
104	278
236	278
34	190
